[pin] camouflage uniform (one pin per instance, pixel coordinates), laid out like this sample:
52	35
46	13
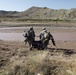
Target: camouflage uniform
42	33
31	31
42	36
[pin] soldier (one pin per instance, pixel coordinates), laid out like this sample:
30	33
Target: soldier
43	36
42	33
30	37
31	31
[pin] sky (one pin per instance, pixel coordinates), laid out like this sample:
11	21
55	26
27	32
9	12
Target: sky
21	5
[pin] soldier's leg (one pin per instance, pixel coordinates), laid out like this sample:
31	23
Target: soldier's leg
30	45
43	45
25	41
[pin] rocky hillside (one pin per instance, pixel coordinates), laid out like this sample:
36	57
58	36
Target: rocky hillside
9	14
44	13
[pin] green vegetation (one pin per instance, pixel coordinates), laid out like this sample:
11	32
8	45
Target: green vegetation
32	20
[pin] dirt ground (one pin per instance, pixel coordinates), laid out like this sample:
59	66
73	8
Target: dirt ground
17	59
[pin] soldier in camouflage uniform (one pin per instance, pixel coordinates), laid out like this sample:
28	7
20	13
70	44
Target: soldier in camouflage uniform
43	35
31	31
30	36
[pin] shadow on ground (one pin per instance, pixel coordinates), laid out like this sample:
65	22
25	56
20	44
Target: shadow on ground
64	50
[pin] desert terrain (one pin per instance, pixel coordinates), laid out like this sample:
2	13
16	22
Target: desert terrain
17	59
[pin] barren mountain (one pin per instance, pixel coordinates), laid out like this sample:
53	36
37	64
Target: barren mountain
43	13
47	13
7	13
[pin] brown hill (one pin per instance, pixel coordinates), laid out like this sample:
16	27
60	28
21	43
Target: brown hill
47	13
43	13
8	13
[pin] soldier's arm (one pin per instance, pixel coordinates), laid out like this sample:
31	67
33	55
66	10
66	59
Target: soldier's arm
51	36
52	39
34	33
